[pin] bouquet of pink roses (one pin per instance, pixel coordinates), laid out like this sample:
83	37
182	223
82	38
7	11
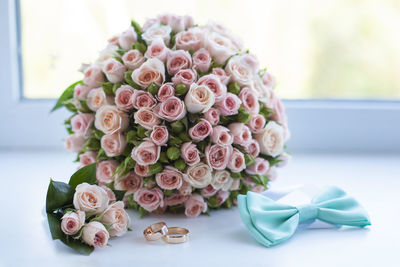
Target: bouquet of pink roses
178	116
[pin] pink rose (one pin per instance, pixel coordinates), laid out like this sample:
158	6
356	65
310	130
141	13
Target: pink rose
146	118
157	49
171	109
129	183
113	40
208	191
133	59
166	91
236	162
123	98
152	70
279	114
268	80
190	153
252	61
249	101
239	71
105	170
212	116
217	156
95	234
190	39
81	91
219	46
260	166
178	60
170	178
149	22
202	60
175	199
127	38
252	147
222	180
215	85
195	205
87	158
159	135
149	199
241	133
113	144
74	143
114	70
110	120
220	72
97	98
110	193
72	222
229	104
222	196
143	99
256	123
157	31
201	130
142	170
93	76
187	77
82	123
147	153
220	135
185	189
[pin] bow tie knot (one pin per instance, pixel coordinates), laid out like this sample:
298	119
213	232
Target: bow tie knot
307	212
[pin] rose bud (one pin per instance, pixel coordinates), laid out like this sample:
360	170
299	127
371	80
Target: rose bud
133	59
158	50
190	153
229	104
195	205
72	222
256	123
201	130
127	38
114	70
105	170
81	91
236	162
149	199
212	115
222	196
180	164
241	133
116	216
202	60
166	90
93	76
208	191
74	143
186	77
159	135
147	153
215	85
217	156
178	60
199	99
221	180
224	78
171	109
173	153
170	178
260	166
220	135
123	98
181	89
95	234
113	144
90	198
87	158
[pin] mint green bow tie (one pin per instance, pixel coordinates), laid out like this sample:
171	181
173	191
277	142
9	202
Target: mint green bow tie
271	223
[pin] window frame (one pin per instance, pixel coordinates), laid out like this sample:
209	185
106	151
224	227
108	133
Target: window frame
315	125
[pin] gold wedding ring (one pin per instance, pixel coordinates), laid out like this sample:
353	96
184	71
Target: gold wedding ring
176	235
155	231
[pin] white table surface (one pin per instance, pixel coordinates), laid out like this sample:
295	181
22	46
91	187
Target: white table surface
218	240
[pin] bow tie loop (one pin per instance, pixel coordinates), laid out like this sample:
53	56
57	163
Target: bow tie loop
307	212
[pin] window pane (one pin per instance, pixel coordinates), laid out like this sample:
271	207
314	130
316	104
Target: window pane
316	49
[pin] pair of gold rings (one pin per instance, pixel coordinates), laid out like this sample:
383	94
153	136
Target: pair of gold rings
171	235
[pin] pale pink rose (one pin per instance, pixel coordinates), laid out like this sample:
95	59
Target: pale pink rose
220	47
217	156
279	114
113	40
109	192
93	76
189	22
129	183
190	153
157	49
271	139
109	52
105	170
220	72
166	91
87	158
177	23
97	98
190	39
146	118
113	144
220	135
171	109
82	123
268	80
149	22
72	222
123	98
127	38
95	234
178	60
215	85
110	120
201	130
222	196
159	135
74	143
256	123
90	198
212	116
133	59
222	180
175	199
195	205
157	31
252	147
147	153
241	133
185	189
199	99
81	91
149	199
249	101
257	189
239	71
228	105
186	77
272	174
283	158
235	185
260	166
202	60
152	70
252	61
114	70
199	175
236	162
262	92
118	219
143	99
170	178
208	191
142	170
219	28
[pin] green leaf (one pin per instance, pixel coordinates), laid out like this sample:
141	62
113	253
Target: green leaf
107	88
119	194
142	212
85	174
59	194
67	94
55	226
